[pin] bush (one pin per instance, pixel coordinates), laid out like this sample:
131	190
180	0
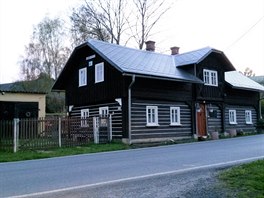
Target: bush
260	125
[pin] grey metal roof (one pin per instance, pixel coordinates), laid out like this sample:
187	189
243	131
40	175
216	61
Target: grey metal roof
147	63
238	80
192	57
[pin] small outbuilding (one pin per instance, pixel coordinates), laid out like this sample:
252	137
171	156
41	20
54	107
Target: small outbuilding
20	101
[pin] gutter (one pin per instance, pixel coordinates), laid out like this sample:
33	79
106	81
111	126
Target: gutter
129	108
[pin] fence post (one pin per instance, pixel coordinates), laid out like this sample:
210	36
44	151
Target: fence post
110	128
16	134
59	132
96	130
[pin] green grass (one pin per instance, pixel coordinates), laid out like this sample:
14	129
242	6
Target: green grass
245	180
40	154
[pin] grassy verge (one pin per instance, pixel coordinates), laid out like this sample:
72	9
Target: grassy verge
39	154
246	180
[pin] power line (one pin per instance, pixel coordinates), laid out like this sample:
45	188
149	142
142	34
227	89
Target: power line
245	33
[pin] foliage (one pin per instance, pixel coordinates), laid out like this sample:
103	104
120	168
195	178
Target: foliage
46	52
89	148
247	180
260	124
248	72
55	101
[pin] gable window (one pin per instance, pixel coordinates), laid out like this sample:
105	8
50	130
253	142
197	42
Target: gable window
248	117
84	116
210	77
99	72
232	117
175	116
82	77
103	111
152	115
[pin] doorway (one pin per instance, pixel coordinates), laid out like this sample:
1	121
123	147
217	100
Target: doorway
201	120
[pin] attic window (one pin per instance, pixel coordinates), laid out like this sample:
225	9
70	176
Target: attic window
82	77
210	77
99	72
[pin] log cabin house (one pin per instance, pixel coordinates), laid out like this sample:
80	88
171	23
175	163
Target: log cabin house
156	97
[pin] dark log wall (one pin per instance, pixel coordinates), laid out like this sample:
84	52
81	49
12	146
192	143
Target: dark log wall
114	108
214	118
162	90
241	97
92	93
240	116
164	130
205	92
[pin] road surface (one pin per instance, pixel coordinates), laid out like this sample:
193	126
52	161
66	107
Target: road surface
73	173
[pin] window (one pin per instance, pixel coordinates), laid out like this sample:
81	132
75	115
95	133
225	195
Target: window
152	115
248	117
103	111
232	117
84	116
82	77
99	72
175	116
210	77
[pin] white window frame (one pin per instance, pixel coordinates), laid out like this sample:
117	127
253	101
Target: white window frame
210	77
83	77
248	116
232	117
84	116
104	111
152	115
175	116
99	72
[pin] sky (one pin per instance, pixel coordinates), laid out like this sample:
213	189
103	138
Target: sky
235	27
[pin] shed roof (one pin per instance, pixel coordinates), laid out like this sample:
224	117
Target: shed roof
20	87
239	81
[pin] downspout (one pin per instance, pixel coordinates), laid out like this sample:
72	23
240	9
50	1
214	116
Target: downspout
259	103
129	108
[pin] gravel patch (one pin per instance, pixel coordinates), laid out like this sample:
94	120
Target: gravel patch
199	184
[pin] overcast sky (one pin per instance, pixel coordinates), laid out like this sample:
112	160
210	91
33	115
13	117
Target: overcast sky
235	27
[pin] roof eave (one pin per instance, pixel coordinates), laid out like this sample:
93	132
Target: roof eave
162	78
245	88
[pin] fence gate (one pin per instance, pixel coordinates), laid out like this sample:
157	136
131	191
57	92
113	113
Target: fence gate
102	127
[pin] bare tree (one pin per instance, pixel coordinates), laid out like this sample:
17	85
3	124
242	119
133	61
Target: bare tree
117	21
46	52
148	14
101	19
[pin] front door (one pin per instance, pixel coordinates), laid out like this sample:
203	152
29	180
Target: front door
201	120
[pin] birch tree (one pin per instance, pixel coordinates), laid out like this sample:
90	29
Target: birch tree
46	52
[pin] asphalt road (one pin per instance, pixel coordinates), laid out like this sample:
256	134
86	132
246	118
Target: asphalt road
60	176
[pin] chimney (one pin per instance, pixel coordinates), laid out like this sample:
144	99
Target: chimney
150	46
174	50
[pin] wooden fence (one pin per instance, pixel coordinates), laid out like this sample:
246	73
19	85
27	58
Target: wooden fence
45	133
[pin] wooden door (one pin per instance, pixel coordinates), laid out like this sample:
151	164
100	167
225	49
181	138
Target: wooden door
201	121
